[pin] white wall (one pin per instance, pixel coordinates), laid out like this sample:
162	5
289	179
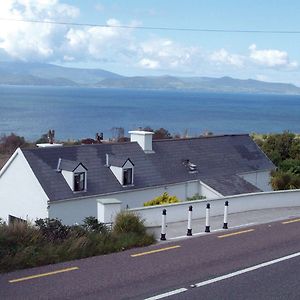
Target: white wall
260	179
108	210
208	192
21	195
74	211
143	138
69	177
240	203
118	172
137	198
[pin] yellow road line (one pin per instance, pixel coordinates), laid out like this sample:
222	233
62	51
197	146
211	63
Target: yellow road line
235	233
290	221
43	275
155	251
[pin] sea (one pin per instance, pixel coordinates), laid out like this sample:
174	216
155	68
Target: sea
77	113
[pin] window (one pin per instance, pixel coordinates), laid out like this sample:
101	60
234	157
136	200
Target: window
127	176
79	182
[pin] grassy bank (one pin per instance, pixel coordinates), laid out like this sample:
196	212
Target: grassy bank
48	241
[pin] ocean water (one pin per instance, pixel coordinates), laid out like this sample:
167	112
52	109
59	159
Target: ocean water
81	112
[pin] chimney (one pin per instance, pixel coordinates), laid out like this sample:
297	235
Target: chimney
143	138
51	134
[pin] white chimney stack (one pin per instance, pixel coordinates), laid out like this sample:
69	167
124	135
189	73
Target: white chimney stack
143	138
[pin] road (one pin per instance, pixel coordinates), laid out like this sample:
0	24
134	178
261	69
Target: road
258	262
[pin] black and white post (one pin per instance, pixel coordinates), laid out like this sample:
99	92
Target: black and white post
225	225
163	225
189	227
207	226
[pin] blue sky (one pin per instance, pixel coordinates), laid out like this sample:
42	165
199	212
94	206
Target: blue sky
270	57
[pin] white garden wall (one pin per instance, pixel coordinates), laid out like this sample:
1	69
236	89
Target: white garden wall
75	210
240	203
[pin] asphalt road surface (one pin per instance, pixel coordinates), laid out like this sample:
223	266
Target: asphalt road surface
258	262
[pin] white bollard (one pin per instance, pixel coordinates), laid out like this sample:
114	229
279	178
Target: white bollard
163	225
225	225
207	226
189	227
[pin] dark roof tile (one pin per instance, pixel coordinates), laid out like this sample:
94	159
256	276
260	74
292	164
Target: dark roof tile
216	157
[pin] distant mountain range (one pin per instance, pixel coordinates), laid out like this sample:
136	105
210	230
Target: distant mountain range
20	73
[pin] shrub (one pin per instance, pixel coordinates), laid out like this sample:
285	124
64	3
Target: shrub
165	198
128	222
197	196
290	165
284	181
53	229
92	224
49	241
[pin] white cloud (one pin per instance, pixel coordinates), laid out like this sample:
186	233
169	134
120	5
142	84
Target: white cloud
222	56
271	58
121	46
167	55
32	41
149	64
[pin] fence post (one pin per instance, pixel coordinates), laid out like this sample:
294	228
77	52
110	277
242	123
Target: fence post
189	227
163	225
225	225
207	226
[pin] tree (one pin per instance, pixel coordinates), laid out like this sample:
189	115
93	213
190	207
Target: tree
9	143
161	133
278	146
284	150
43	139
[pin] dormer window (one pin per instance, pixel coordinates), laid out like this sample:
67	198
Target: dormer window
127	176
122	168
75	174
79	182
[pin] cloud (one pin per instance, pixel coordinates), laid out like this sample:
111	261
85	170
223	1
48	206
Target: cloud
149	64
222	56
167	55
271	58
122	47
32	41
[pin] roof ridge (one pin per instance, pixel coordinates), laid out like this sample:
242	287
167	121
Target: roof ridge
201	137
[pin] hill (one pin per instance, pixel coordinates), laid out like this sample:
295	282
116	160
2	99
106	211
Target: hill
21	73
204	84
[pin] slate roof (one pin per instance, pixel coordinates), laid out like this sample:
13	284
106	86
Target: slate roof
118	161
68	165
218	158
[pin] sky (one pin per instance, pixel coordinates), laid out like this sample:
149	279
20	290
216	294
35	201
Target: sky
133	51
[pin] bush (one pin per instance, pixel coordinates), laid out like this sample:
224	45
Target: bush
127	222
49	241
91	224
284	181
165	198
52	229
197	196
290	165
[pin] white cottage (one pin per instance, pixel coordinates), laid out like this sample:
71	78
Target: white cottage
67	182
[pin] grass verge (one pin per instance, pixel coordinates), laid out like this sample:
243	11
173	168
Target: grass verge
49	241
